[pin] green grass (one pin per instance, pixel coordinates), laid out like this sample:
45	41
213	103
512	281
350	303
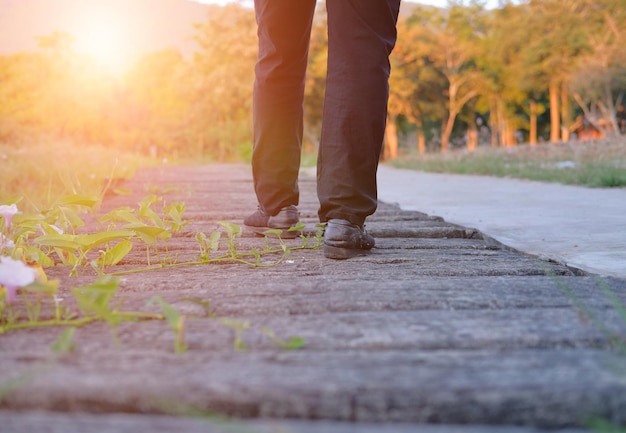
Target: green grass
38	174
592	164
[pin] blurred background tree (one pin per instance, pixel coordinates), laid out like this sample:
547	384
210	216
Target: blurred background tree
462	77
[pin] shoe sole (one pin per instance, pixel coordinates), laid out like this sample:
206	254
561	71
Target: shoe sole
284	233
337	253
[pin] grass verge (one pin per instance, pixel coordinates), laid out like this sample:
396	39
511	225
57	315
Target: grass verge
40	173
598	164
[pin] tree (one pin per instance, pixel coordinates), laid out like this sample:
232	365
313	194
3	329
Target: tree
221	81
451	39
21	77
416	85
505	95
53	91
156	102
599	80
555	40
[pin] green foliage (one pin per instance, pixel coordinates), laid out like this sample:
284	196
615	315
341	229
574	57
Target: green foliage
37	238
115	255
223	71
510	57
94	300
94	303
65	343
208	245
232	231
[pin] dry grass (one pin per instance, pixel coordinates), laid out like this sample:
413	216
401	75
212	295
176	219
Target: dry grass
39	174
600	163
577	151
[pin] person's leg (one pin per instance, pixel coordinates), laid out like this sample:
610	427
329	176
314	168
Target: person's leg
284	28
361	37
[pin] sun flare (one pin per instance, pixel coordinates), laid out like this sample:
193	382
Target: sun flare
103	36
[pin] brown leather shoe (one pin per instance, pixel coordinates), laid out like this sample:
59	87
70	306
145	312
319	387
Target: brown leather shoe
344	240
284	219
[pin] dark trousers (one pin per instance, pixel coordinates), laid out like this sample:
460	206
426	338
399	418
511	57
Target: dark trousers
361	34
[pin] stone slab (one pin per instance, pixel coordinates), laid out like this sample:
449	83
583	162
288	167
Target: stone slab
546	328
38	422
542	388
439	329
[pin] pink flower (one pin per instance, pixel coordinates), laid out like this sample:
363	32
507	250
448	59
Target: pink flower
13	275
8	211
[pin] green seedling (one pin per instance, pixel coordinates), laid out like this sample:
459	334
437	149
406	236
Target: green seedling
208	245
232	231
239	326
176	322
294	343
52	235
175	212
115	255
206	305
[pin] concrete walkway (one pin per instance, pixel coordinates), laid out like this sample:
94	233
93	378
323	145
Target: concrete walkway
439	330
581	227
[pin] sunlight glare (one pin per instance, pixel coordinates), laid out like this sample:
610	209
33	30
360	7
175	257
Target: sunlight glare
102	35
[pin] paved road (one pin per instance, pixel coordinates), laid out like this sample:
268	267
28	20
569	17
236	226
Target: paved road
581	227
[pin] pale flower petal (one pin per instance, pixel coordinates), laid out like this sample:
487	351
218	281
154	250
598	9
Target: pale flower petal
8	211
10	294
15	274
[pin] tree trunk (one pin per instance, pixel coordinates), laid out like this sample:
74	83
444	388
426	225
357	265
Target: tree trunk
533	123
555	123
493	121
504	126
507	133
421	138
565	114
391	140
421	142
612	109
446	132
472	136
